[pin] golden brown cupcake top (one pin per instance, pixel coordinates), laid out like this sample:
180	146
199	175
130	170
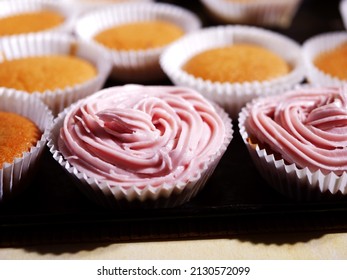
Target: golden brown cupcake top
237	64
29	22
139	35
333	62
41	73
17	135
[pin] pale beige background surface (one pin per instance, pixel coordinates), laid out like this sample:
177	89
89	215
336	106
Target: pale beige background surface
297	246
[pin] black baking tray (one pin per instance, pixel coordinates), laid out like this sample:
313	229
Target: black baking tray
235	201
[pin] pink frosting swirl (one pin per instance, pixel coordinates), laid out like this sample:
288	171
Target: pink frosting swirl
307	127
137	135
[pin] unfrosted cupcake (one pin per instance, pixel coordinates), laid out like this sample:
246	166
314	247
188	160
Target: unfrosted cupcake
298	140
231	65
325	59
54	67
34	16
135	35
47	72
277	13
18	135
237	63
24	124
151	146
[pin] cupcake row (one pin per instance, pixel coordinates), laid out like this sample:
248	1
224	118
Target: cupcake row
146	42
113	141
156	146
273	13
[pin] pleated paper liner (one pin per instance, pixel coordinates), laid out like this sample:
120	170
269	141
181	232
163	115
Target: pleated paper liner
273	13
85	6
343	12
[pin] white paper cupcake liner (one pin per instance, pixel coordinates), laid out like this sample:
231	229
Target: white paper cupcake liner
315	46
265	13
15	176
297	183
51	43
232	96
142	65
12	7
168	195
343	12
84	6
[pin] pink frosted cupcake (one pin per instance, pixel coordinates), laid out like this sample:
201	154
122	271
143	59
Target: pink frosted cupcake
152	145
298	140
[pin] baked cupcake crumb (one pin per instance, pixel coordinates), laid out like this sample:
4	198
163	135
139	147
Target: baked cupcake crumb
17	135
139	35
237	63
29	22
333	62
42	73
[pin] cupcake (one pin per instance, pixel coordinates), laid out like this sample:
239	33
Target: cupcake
25	122
275	13
34	16
46	72
325	59
56	68
231	65
18	135
237	63
135	35
298	140
141	146
123	38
